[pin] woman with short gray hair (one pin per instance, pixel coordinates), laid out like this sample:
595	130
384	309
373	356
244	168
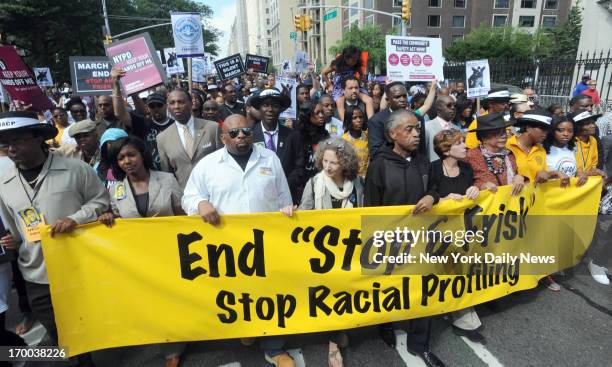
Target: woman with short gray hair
336	186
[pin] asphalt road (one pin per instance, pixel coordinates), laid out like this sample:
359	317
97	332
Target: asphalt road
531	328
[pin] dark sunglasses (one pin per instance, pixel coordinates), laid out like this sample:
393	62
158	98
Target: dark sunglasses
233	133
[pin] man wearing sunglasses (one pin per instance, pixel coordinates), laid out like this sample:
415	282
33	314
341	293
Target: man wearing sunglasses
240	178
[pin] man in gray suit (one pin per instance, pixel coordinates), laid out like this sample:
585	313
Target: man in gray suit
190	139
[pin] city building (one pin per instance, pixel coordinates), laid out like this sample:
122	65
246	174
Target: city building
238	42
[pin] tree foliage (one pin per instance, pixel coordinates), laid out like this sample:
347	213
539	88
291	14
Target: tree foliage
50	31
368	38
485	42
566	37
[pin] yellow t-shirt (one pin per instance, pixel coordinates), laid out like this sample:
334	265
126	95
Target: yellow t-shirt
471	141
361	148
529	164
586	154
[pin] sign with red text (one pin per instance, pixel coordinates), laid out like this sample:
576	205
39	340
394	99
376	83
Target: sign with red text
90	75
414	58
136	56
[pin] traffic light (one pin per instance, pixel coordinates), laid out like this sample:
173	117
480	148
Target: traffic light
406	10
307	23
298	22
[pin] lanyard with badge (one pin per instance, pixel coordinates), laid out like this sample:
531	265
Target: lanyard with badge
32	218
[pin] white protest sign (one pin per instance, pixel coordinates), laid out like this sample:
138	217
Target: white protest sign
288	86
187	32
414	58
43	77
478	78
174	64
301	61
286	67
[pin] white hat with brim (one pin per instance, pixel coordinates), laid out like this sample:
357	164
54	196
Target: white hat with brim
272	93
22	120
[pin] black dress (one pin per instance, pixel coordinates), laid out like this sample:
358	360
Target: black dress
444	185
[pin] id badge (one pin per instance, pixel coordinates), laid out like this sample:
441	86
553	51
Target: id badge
31	222
120	191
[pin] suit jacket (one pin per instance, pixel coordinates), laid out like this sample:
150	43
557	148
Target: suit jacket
164	195
172	154
290	152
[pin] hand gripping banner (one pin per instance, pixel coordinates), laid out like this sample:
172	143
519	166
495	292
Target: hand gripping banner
179	279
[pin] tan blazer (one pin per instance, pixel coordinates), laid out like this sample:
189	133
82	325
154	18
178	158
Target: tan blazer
174	158
164	195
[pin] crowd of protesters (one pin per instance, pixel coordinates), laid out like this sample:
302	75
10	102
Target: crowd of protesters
353	143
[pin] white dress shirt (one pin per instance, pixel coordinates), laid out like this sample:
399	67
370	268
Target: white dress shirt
218	179
267	137
181	132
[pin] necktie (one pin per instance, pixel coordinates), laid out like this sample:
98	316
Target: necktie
188	141
270	143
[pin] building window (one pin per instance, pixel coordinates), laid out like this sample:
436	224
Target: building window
435	3
551	4
526	21
500	20
268	21
267	10
368	20
368	4
433	36
457	37
433	21
397	3
502	4
460	3
353	11
458	21
528	4
548	21
269	43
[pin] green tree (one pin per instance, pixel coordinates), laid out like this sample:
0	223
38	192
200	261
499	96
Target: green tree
566	36
485	42
50	31
368	38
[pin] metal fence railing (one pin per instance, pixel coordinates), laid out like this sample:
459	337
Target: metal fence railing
550	77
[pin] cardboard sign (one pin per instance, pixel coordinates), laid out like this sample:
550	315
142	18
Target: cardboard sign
414	59
174	64
19	81
43	77
90	75
187	32
259	64
288	86
136	56
478	78
230	67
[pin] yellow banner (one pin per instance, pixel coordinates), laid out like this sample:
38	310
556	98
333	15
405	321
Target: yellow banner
178	279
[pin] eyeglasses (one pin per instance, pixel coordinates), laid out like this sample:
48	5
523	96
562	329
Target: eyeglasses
233	133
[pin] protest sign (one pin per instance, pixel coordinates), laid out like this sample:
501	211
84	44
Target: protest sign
174	64
136	56
286	67
301	61
90	75
19	81
414	58
478	78
230	67
43	77
288	86
200	68
266	274
187	32
259	64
